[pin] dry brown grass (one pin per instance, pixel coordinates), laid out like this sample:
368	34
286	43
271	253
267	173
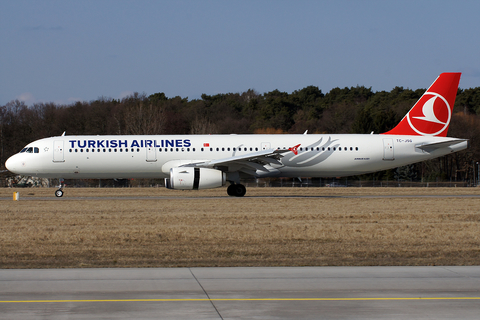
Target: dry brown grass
316	226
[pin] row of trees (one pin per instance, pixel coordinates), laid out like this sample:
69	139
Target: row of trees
347	110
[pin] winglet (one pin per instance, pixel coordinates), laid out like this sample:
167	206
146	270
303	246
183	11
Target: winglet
431	115
294	149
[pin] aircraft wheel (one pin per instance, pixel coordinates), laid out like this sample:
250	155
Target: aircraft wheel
59	193
240	190
236	190
230	190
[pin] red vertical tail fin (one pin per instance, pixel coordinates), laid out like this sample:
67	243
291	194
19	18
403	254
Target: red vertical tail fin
431	115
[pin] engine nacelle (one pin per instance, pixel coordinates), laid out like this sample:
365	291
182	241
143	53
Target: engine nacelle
191	178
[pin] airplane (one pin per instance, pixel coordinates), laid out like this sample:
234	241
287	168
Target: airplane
210	161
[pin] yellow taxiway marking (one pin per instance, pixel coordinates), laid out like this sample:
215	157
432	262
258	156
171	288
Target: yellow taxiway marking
242	299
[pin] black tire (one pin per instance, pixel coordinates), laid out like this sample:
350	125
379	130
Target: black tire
236	190
240	190
230	191
59	193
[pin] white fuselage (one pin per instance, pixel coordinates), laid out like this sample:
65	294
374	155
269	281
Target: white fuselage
131	156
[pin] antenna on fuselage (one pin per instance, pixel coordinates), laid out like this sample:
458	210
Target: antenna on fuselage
63	134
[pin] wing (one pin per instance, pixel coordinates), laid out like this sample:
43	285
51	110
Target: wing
264	160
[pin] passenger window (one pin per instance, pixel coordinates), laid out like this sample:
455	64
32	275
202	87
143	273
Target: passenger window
70	150
256	149
193	149
201	149
356	148
86	150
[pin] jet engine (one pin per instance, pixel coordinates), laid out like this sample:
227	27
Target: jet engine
191	178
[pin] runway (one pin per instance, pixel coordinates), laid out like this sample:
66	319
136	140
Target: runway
76	198
242	293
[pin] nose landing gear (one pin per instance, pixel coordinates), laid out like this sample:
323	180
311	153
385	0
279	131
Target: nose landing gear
59	192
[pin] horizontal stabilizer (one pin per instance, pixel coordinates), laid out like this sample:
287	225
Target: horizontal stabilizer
438	145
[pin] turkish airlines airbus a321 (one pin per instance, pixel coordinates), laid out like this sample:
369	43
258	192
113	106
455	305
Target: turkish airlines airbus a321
209	161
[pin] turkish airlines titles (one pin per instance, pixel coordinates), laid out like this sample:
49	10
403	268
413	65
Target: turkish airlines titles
129	144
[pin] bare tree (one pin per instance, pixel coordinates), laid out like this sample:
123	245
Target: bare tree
201	125
143	117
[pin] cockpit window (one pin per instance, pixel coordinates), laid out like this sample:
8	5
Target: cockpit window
30	150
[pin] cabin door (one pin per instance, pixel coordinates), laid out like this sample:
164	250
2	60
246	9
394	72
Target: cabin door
388	150
58	151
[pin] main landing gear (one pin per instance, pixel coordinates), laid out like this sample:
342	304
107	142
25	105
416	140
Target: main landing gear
236	190
59	192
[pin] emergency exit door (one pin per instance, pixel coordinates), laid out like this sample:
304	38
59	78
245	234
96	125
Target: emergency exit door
265	145
151	154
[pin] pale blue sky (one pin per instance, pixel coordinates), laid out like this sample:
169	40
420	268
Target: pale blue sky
63	51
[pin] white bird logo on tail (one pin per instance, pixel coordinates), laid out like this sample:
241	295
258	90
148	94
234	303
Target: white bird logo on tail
428	112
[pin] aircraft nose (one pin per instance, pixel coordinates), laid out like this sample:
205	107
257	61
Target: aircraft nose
12	164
